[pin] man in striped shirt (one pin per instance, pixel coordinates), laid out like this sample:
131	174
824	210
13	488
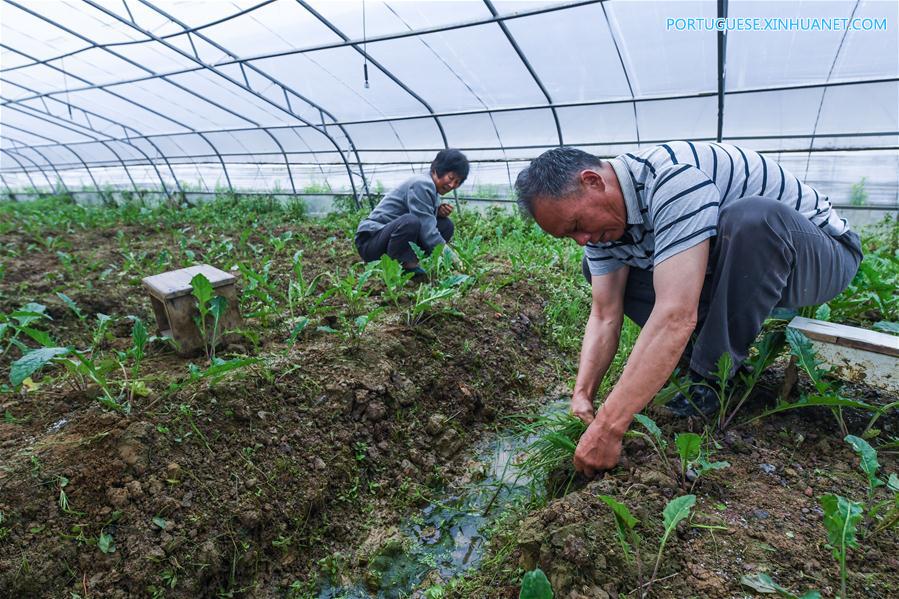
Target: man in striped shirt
685	238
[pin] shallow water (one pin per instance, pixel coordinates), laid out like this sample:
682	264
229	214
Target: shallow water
448	536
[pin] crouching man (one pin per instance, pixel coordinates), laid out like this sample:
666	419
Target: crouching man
686	239
412	213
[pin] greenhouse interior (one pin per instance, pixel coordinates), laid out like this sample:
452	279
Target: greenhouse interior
444	299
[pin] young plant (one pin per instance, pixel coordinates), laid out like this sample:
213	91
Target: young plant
656	440
841	518
301	292
826	392
731	397
352	287
208	305
71	305
884	514
626	528
394	278
20	322
677	510
693	458
763	584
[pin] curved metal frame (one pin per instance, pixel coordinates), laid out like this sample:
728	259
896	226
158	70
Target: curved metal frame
23	169
220	74
345	41
47	160
527	65
94	132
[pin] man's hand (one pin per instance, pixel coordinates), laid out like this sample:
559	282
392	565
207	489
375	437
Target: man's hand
444	210
582	407
598	449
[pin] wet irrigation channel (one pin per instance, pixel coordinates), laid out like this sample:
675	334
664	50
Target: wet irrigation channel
448	536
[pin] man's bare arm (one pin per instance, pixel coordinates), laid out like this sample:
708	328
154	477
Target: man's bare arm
600	340
678	283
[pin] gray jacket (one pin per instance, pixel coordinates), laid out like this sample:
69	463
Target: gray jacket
417	196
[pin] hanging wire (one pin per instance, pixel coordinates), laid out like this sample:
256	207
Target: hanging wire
364	47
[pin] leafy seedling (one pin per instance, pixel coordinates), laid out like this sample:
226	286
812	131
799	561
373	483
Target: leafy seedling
762	583
841	519
535	585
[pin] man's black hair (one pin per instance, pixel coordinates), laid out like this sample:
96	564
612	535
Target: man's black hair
552	175
451	161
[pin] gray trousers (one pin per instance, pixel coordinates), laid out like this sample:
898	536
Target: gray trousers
766	255
393	239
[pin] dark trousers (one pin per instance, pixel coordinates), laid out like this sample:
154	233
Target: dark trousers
393	239
766	255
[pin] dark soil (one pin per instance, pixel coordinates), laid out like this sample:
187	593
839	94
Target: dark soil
238	488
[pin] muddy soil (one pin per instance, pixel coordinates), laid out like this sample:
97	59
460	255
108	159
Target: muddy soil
252	485
760	515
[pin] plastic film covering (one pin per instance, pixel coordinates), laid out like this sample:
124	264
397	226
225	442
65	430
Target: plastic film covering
349	96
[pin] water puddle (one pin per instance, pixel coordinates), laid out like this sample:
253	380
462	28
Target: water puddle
448	536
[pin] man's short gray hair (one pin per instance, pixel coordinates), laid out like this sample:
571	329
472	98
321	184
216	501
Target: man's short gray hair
552	175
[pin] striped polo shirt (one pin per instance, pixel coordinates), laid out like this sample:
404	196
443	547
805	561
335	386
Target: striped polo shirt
674	193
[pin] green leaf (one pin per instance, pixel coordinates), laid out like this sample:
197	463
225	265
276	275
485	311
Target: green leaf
654	430
298	328
801	347
106	543
887	327
823	312
40	336
868	455
841	517
762	583
71	304
160	522
201	288
622	514
688	446
221	367
29	313
676	510
217	306
624	522
33	361
535	585
139	336
704	465
893	483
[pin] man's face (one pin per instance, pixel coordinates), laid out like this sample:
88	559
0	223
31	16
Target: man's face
584	216
448	182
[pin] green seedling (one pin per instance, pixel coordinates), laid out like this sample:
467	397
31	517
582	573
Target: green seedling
394	278
535	585
677	510
353	289
879	515
693	457
626	529
731	397
20	322
208	305
555	437
219	368
71	305
656	440
106	543
260	293
100	331
301	294
826	392
762	583
841	519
